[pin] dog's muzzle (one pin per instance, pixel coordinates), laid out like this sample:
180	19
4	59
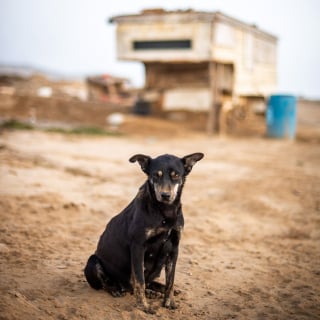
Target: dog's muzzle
166	195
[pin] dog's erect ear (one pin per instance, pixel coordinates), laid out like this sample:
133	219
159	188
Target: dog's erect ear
143	160
189	161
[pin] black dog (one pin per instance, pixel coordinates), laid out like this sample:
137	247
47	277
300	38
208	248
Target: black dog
144	237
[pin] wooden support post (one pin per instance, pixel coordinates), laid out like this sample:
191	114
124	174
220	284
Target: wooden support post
213	87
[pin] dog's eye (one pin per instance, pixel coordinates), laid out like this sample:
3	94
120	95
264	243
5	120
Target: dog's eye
157	174
174	175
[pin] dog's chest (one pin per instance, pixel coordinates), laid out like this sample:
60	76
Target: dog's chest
163	230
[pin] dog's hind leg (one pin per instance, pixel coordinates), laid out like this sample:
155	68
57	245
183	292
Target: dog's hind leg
94	273
156	286
98	279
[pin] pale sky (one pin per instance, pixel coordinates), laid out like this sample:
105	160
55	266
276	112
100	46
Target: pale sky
74	38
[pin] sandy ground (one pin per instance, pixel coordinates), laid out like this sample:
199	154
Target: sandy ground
250	248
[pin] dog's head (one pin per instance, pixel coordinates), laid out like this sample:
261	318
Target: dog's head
167	173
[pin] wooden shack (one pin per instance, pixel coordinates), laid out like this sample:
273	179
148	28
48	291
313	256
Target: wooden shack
198	61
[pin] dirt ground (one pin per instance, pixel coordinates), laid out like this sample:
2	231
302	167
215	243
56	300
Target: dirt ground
250	248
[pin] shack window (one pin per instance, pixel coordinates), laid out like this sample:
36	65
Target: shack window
162	45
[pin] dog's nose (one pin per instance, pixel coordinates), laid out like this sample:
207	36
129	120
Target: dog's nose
165	196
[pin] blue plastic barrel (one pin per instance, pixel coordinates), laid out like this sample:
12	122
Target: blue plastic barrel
281	116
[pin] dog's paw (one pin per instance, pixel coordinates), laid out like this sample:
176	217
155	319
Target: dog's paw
150	310
169	303
146	308
118	293
152	294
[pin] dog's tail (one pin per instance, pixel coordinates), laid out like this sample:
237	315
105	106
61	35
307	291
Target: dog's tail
94	273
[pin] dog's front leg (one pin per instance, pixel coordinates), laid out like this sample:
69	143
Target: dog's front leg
137	277
168	301
171	262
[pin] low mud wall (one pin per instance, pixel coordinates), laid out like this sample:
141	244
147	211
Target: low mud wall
34	108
